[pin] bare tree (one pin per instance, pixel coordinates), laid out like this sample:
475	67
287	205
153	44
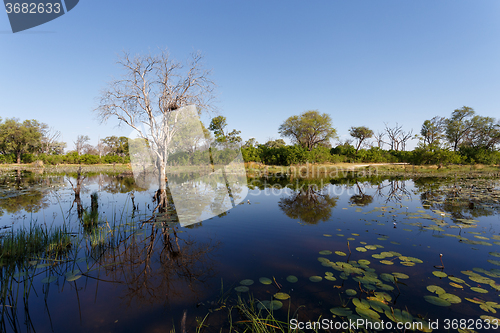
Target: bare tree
80	143
49	139
379	138
405	136
152	87
394	136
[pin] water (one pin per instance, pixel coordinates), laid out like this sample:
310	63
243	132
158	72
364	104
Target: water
145	273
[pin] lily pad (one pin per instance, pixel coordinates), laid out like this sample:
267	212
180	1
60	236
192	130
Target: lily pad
265	280
454	299
242	289
437	301
246	282
400	275
455	279
339	311
292	278
361	249
315	278
281	296
73	278
340	253
363	262
386	262
479	290
325	252
440	274
363	303
351	292
436	289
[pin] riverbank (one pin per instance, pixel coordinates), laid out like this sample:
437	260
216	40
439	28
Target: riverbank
300	170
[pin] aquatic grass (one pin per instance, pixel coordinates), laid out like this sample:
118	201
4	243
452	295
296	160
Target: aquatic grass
27	243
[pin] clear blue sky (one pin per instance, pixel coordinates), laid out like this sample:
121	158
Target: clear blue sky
362	62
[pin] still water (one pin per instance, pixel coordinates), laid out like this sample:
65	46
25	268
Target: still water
422	249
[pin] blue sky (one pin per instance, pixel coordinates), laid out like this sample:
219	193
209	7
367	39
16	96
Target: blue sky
362	62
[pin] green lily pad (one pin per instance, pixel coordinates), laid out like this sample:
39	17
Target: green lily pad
440	274
371	247
436	289
292	278
400	275
351	292
242	289
363	303
340	253
265	280
339	311
73	278
367	313
281	296
246	282
325	252
453	299
315	278
386	262
436	300
363	262
494	262
383	296
330	278
361	249
479	290
455	279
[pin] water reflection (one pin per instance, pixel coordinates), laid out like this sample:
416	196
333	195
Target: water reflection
360	199
463	199
26	191
153	264
308	204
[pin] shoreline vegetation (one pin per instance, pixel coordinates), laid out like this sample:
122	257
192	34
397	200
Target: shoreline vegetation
306	170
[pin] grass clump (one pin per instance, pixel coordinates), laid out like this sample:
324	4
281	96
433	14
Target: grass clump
24	244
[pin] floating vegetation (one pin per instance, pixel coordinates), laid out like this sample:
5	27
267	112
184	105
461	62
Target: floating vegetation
246	282
265	280
281	296
315	278
292	278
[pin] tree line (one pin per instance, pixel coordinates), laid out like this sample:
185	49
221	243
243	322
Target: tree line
464	137
30	140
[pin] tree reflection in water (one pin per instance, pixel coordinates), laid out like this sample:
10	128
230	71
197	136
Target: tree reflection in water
465	199
309	205
360	199
152	268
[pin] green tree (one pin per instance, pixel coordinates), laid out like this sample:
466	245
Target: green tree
432	131
458	126
275	143
360	133
116	145
484	133
308	129
20	138
250	143
218	126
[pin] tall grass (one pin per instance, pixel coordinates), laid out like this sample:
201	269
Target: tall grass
33	242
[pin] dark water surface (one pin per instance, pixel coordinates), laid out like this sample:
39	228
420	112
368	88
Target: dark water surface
134	273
